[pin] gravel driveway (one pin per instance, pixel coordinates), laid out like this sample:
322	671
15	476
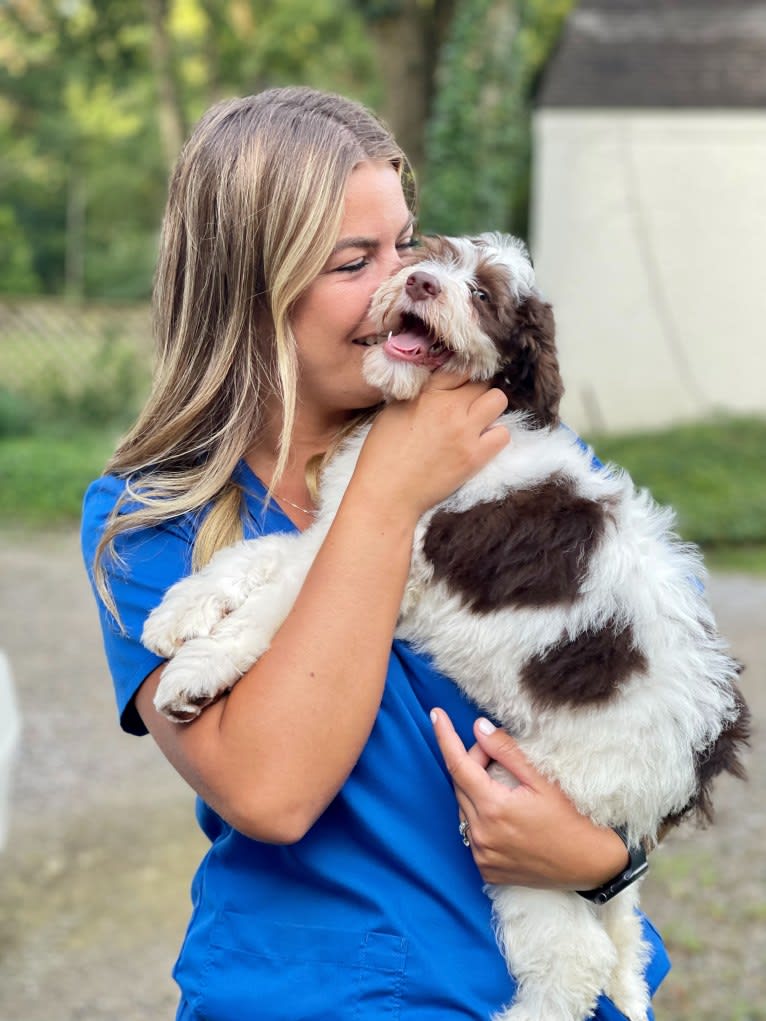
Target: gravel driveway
94	880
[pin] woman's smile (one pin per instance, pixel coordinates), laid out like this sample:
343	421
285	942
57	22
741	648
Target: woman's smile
332	316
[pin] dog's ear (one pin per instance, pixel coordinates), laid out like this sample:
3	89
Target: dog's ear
530	374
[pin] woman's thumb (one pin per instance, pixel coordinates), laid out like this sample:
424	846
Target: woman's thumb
501	747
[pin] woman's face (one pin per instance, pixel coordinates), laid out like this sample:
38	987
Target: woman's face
331	318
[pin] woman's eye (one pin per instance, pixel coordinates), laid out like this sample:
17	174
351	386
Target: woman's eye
352	267
412	242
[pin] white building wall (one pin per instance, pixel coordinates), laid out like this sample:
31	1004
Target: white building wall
649	237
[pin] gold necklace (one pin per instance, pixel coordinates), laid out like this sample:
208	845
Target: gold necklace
306	510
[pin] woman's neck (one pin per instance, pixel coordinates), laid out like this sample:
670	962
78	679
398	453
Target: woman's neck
312	435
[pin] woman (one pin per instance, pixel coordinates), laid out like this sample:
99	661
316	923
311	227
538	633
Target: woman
336	884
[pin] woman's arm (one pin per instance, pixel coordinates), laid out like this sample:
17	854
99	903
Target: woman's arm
530	835
271	755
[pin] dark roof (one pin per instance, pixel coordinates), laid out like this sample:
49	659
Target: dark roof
659	53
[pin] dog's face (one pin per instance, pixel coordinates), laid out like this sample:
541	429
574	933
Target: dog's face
468	304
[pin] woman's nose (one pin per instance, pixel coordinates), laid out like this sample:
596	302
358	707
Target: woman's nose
422	286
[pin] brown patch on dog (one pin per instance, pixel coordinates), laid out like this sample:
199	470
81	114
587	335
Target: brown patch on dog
582	671
530	375
722	756
435	246
531	548
525	336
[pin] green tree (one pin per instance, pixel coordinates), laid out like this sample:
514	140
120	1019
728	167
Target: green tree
96	95
17	274
479	135
408	36
74	99
459	77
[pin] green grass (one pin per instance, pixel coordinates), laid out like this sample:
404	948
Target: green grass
43	475
713	473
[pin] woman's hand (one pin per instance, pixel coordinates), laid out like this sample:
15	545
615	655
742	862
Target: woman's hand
424	449
530	835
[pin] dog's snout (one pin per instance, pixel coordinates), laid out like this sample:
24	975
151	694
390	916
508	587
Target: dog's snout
422	286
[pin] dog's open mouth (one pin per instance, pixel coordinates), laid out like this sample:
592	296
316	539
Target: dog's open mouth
415	342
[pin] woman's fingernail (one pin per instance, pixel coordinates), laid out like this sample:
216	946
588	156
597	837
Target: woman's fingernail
486	727
434	716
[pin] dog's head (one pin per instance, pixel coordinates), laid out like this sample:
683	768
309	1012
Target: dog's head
468	304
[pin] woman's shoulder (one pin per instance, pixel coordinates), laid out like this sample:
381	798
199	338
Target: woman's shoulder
102	496
110	493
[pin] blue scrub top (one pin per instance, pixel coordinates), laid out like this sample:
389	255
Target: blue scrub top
378	912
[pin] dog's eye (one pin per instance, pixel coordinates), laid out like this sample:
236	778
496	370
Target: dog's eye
479	295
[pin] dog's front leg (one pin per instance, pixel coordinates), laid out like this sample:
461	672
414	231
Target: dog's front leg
207	666
627	986
194	606
556	949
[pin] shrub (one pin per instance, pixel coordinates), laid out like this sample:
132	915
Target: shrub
17	413
108	392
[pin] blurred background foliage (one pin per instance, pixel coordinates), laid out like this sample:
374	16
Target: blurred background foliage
96	97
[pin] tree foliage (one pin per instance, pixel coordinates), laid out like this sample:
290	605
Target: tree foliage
478	137
96	95
91	115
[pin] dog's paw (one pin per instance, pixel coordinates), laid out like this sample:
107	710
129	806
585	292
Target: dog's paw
197	676
182	706
186	612
631	999
195	606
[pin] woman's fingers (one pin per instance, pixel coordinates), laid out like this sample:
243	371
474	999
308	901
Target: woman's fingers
484	402
467	769
499	745
477	753
531	834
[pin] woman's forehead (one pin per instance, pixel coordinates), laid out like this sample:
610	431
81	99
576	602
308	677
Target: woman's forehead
374	202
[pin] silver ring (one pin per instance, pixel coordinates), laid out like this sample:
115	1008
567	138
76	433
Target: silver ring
464	831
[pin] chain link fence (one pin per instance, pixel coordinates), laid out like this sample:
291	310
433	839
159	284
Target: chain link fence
63	363
44	340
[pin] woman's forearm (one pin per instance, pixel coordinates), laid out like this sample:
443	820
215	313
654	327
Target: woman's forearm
271	755
320	682
322	679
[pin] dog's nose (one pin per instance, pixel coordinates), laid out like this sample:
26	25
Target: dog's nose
421	286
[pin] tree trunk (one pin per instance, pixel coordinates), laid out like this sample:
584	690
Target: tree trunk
76	202
407	42
172	123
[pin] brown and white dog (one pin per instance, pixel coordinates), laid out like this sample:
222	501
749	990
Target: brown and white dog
549	589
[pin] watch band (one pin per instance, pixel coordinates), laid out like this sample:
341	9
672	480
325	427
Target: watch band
637	867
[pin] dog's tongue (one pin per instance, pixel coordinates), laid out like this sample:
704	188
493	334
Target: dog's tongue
413	347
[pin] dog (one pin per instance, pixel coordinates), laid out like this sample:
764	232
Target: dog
554	593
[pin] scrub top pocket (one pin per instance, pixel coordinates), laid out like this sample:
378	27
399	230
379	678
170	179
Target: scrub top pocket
335	973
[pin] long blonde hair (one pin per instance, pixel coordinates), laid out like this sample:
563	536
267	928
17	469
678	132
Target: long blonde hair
254	207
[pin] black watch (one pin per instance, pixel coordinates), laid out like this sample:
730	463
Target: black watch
637	867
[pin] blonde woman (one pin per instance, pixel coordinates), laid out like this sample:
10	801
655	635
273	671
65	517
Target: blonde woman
336	884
